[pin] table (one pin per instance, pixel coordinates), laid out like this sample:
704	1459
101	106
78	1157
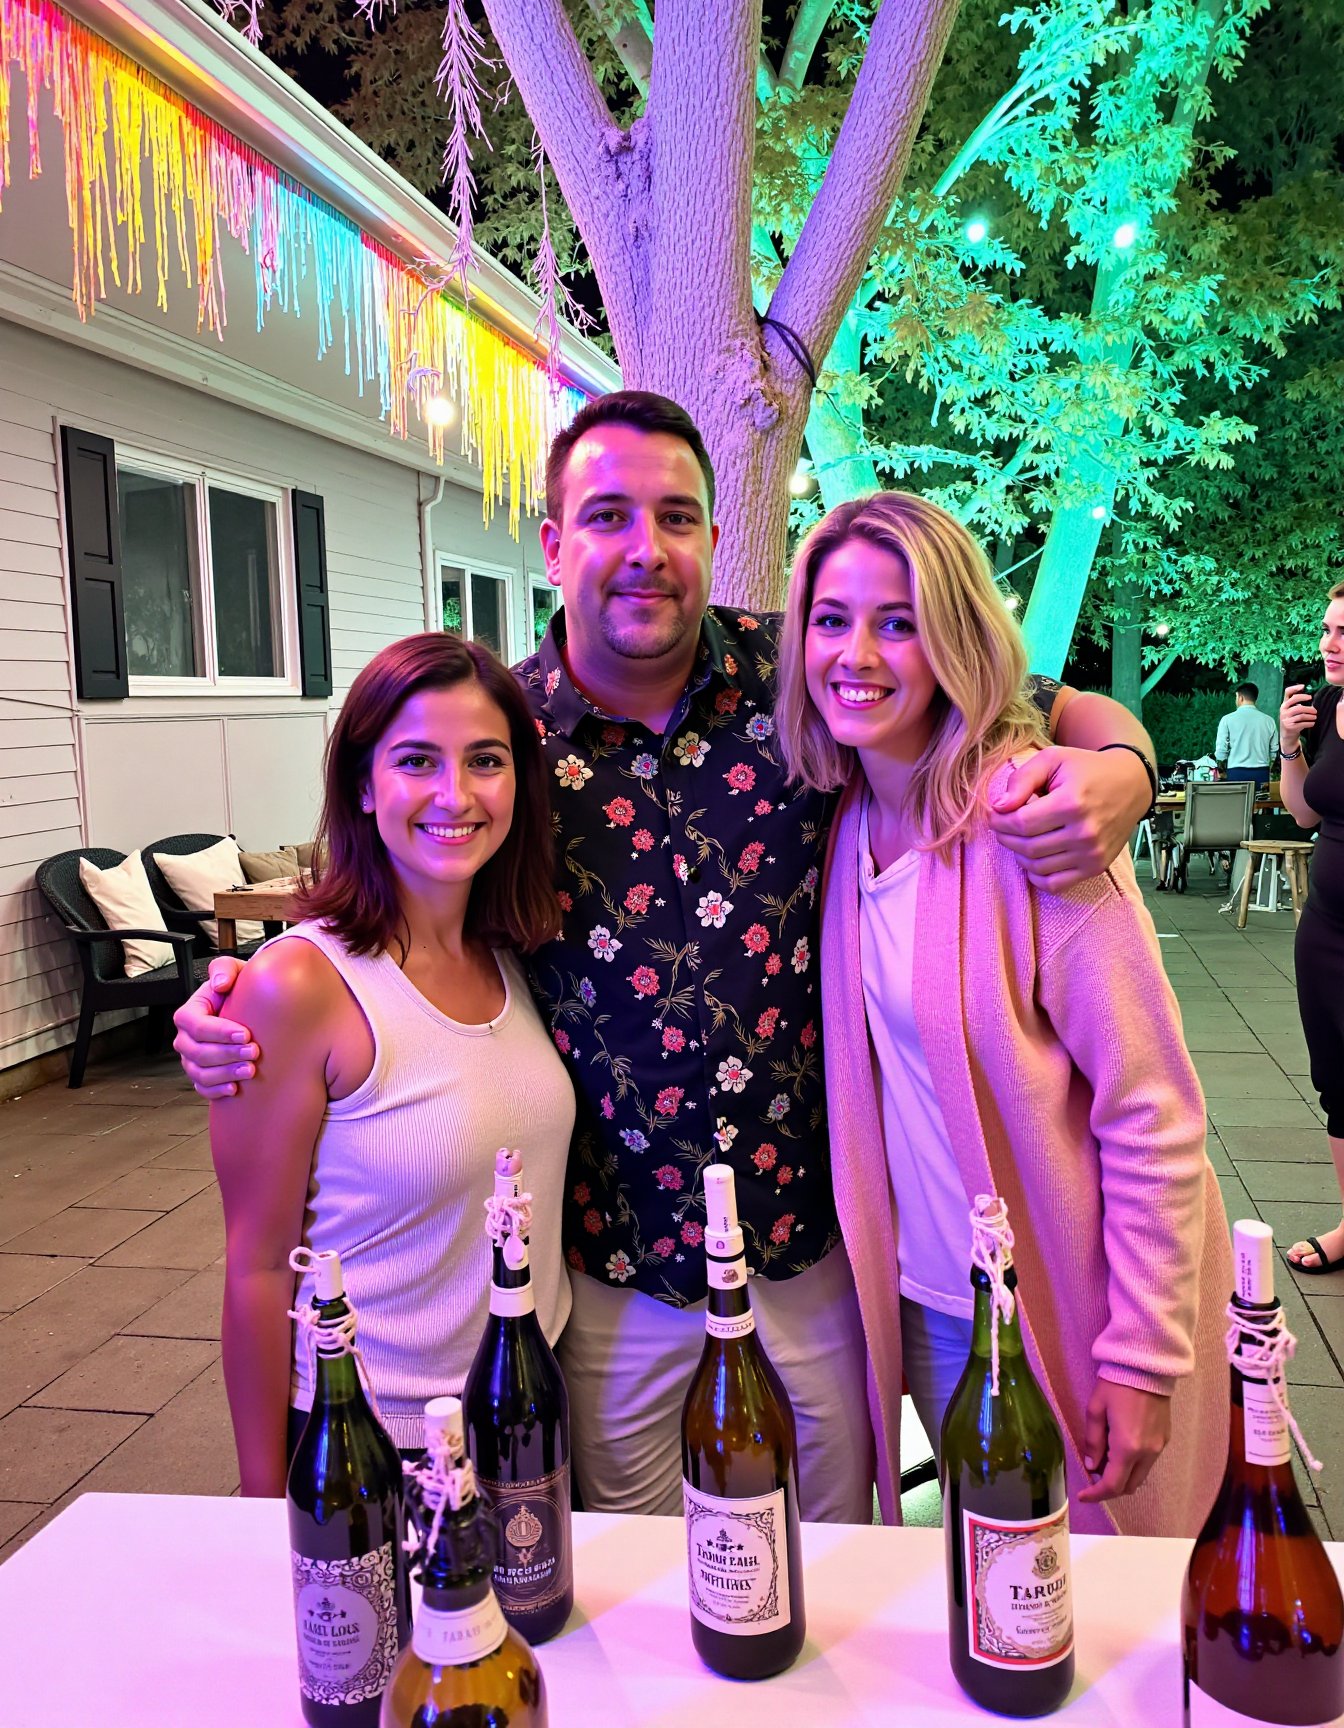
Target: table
158	1611
268	902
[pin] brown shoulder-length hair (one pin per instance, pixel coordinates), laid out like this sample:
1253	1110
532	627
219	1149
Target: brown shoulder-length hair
981	714
513	901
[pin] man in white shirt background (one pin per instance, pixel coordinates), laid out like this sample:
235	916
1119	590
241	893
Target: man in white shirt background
1246	739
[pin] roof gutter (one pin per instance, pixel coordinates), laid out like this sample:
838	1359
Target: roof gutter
188	45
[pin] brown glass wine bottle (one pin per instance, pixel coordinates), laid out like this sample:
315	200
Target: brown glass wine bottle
1005	1509
465	1664
739	1460
344	1496
1262	1613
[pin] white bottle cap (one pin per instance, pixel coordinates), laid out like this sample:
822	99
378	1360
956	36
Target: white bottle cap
1253	1255
720	1199
444	1426
508	1174
328	1283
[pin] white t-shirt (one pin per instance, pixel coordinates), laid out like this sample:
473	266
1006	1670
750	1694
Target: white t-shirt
933	1230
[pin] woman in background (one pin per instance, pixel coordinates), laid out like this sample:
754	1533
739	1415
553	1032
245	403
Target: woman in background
1311	745
1026	1042
402	1050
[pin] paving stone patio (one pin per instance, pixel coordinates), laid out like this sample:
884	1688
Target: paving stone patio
111	1241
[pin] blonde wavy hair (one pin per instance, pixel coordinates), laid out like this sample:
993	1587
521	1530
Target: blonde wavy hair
982	713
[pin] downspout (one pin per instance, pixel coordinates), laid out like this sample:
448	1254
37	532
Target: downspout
429	575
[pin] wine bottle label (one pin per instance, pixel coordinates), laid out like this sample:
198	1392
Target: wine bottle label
739	1561
452	1637
1017	1589
534	1566
520	1300
346	1617
1266	1426
730	1325
726	1274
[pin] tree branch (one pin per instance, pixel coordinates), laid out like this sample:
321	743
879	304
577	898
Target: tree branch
872	152
630	32
1160	671
810	20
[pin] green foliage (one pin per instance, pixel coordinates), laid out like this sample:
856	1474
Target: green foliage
1185	727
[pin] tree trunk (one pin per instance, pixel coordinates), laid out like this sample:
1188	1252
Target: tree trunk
1268	679
1127	648
835	436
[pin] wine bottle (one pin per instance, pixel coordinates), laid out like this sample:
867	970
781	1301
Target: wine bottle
465	1665
351	1588
1005	1505
517	1417
739	1462
1262	1613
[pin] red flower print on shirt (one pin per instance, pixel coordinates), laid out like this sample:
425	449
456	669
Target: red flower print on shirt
673	1038
726	701
764	1157
592	1221
808	1036
784	1174
613	735
642	840
765	1026
692	1234
620	812
741	777
773	964
638	897
645	981
763	807
751	856
566	901
669	1100
561	1040
574	1258
582	1194
664	1246
782	1229
746	622
756	939
668	1176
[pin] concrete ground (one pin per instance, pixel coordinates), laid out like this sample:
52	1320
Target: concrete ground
111	1241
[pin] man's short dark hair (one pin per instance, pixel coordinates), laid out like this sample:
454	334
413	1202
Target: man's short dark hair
643	410
1250	691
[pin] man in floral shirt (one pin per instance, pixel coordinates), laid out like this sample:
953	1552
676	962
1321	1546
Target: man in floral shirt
682	991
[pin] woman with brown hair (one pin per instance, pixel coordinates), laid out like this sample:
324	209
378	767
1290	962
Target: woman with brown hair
402	1049
983	1035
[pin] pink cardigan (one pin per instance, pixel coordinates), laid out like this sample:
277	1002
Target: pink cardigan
1055	1047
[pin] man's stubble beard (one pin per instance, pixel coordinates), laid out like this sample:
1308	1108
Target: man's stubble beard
644	642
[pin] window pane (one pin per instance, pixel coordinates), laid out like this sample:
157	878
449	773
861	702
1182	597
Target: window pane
159	565
544	601
242	559
487	612
452	598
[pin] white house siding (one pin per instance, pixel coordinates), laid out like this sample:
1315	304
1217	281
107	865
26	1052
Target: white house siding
122	774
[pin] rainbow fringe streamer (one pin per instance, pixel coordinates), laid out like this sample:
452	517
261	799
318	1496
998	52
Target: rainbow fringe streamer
398	327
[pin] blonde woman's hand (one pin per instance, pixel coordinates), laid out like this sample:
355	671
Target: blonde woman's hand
1125	1432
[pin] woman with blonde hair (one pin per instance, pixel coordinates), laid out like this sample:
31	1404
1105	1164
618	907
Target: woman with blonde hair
983	1035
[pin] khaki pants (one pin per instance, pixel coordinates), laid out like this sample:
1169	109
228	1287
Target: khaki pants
628	1360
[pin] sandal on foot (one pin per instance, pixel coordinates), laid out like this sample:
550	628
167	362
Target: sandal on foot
1323	1265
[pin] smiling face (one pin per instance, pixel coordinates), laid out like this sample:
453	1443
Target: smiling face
441	782
631	555
1332	642
867	673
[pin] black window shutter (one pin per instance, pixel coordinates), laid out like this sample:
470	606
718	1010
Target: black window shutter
310	558
93	536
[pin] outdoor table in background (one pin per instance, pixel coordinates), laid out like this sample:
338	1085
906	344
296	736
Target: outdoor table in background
268	902
153	1611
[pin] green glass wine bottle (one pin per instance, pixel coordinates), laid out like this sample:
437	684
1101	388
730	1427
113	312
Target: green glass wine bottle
739	1463
465	1667
344	1493
1262	1612
1005	1504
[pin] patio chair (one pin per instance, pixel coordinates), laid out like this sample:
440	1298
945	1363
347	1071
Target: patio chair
176	915
1217	818
105	985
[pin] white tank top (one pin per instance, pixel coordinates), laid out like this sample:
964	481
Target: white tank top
402	1170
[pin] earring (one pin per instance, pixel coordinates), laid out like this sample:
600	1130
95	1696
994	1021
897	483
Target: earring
366	807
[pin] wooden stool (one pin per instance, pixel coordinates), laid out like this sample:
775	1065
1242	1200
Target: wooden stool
1293	855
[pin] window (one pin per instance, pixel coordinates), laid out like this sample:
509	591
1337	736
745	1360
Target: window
201	559
545	602
476	605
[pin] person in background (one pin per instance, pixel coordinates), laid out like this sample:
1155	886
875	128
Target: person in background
683	991
985	1036
402	1049
1311	746
1246	740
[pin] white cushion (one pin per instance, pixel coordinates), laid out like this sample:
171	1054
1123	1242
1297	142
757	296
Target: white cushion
196	877
123	896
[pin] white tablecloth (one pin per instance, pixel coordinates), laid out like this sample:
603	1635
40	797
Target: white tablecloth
158	1611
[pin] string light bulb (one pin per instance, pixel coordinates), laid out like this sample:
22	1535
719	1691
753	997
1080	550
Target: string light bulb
1125	236
801	481
1098	512
440	411
1161	629
1012	601
977	230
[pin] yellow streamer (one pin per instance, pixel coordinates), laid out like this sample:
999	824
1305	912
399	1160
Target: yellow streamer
399	331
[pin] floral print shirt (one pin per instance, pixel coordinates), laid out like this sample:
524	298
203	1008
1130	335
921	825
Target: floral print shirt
682	992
